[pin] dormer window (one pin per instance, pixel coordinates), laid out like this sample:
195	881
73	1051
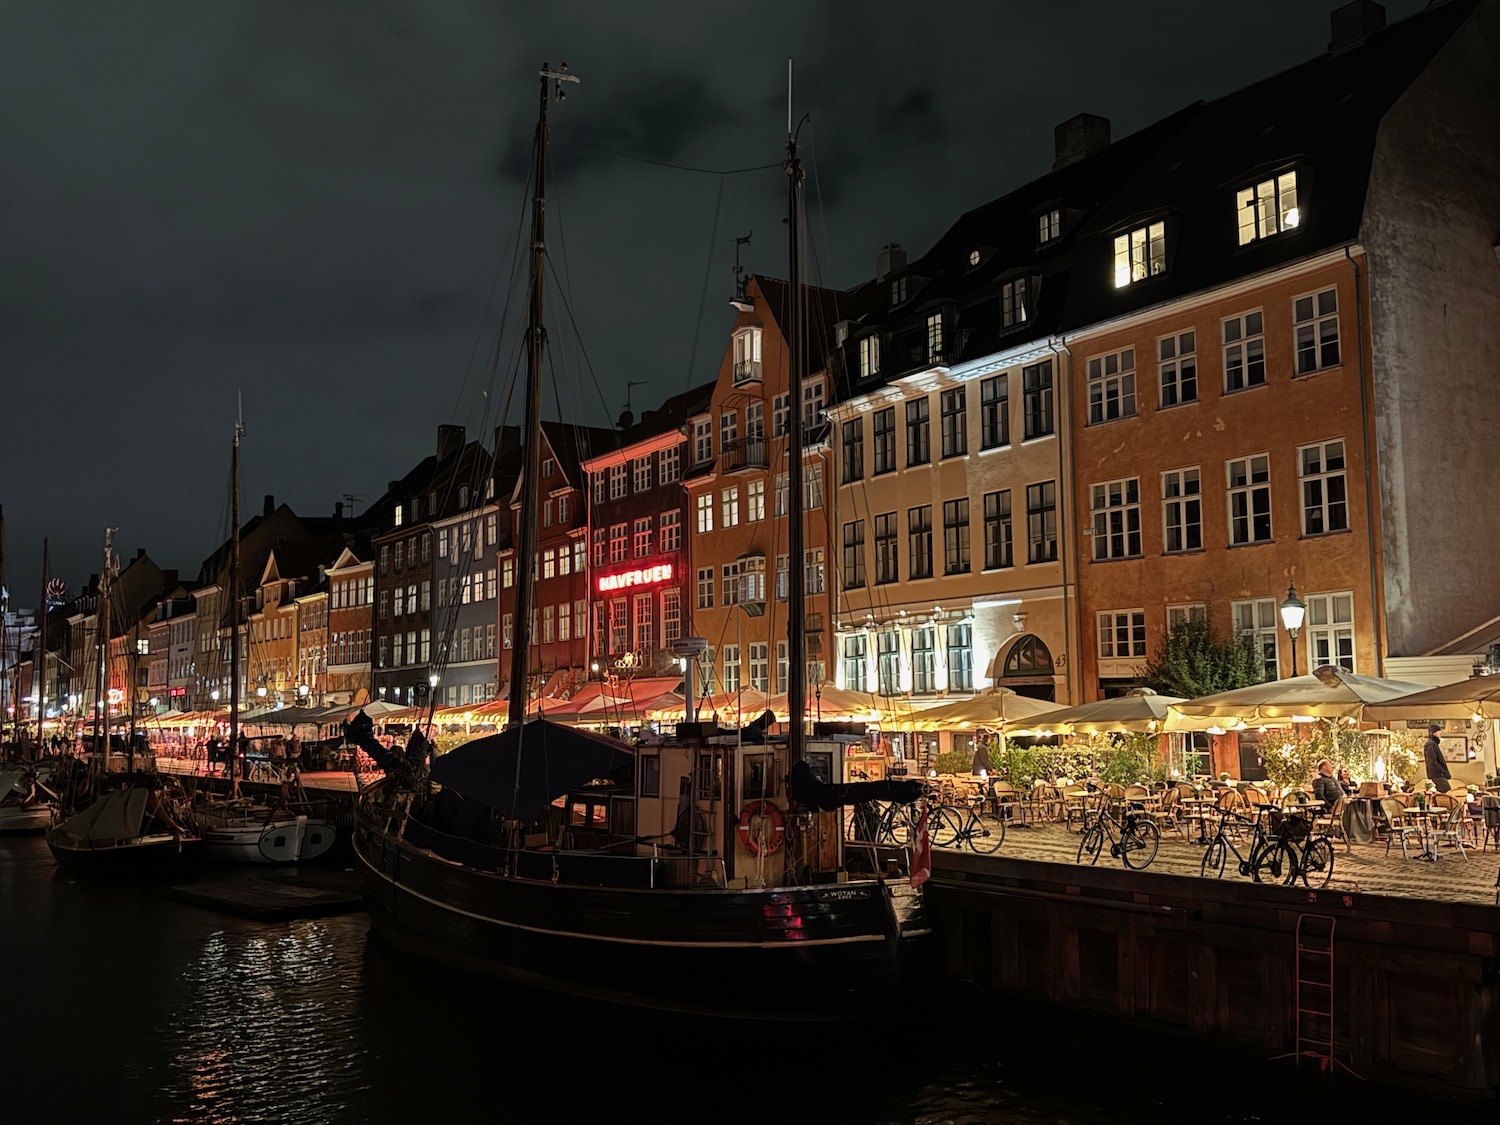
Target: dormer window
1048	226
869	356
1270	207
1017	298
399	519
935	338
1140	254
747	356
898	290
974	257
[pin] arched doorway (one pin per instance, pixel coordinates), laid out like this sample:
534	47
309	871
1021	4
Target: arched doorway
1027	668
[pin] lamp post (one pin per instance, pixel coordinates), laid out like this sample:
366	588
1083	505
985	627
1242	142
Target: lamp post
1293	610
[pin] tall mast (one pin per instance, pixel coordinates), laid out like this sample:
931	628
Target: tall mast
41	659
796	688
536	344
101	701
234	610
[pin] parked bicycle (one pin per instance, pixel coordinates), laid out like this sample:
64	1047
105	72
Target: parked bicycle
1133	836
973	824
1281	849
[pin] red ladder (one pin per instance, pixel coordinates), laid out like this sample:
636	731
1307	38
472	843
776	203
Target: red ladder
1314	995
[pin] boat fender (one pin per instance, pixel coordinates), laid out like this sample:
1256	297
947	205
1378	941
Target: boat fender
768	835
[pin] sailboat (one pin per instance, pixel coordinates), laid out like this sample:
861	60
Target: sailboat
138	822
25	802
239	829
543	854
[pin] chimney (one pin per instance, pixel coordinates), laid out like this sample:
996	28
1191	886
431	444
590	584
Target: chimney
1078	137
270	504
140	552
338	509
891	259
507	439
450	441
1353	22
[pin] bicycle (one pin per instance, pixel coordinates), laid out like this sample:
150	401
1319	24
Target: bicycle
983	831
1281	855
1133	840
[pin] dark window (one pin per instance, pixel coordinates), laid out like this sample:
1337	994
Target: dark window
854	450
854	554
886	567
919	541
956	536
884	439
994	412
955	423
1041	522
918	441
1036	388
997	545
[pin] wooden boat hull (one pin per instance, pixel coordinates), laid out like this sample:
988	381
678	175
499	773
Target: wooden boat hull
146	857
833	951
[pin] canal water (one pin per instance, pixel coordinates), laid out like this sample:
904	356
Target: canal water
122	1005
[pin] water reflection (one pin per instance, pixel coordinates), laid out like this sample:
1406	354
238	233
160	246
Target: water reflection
268	1027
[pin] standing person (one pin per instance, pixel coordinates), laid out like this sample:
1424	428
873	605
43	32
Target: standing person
1325	788
1432	758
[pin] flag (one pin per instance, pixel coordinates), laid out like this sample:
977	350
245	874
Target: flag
921	863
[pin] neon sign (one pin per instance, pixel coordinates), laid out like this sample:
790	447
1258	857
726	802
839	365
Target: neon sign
644	576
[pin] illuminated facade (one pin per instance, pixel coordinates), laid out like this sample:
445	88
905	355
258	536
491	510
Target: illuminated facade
637	563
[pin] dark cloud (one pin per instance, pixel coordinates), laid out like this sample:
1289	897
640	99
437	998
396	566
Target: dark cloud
322	208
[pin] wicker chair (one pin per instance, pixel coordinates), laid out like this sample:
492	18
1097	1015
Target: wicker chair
1455	827
1331	823
1398	826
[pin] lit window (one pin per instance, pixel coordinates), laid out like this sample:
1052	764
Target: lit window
1016	298
619	482
705	509
671	530
1268	208
755	501
703	441
869	357
1140	254
642	537
854	663
747	355
1048	226
730	508
1329	629
670	466
705	587
642	473
935	338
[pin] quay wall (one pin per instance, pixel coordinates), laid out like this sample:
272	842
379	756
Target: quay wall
1416	983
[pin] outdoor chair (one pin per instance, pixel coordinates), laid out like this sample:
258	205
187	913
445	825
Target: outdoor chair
1166	814
1331	823
1489	810
1044	803
1073	797
1452	830
1398	827
1254	796
1003	793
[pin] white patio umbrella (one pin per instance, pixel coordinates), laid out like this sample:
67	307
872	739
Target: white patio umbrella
1474	698
1328	693
1140	710
999	708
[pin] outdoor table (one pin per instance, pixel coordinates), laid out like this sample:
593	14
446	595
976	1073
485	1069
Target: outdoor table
1202	804
1425	818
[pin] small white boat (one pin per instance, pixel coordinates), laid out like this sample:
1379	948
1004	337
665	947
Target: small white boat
244	833
24	805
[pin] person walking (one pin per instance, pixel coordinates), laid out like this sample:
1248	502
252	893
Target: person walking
1432	758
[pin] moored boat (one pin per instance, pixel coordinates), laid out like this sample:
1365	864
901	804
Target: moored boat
706	874
140	828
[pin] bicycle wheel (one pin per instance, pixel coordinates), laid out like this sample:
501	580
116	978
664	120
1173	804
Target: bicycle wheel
942	827
1091	844
1275	863
986	834
1213	859
1317	863
1138	843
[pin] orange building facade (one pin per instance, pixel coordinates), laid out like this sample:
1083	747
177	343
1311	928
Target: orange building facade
1222	449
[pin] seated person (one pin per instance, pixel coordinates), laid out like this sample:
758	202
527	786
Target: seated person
1325	788
1346	783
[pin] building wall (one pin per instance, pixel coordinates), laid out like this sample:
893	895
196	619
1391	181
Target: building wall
1431	220
737	469
986	599
466	629
351	605
1286	413
403	630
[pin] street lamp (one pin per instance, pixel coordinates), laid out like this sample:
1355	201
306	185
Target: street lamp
1293	610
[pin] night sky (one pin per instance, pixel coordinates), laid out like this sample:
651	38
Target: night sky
317	205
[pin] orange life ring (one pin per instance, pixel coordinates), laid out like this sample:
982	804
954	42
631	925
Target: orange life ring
770	840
